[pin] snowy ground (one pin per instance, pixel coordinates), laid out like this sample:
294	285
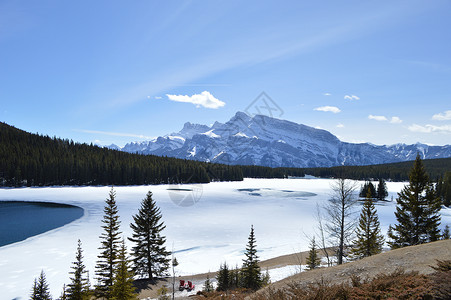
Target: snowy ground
207	224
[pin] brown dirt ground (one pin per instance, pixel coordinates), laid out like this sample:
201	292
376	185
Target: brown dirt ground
414	258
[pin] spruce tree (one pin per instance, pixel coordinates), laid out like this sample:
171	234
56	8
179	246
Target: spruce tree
78	289
223	278
251	274
382	192
150	256
445	234
369	238
364	190
417	211
110	242
40	290
208	286
123	288
313	261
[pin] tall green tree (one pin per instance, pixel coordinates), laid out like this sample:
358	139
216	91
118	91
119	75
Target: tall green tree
382	192
250	271
150	256
313	260
223	278
364	189
123	288
446	234
78	289
110	243
40	290
417	211
369	239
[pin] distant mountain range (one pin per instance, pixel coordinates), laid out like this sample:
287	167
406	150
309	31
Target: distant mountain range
266	141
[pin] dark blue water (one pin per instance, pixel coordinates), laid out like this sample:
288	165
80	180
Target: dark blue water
20	220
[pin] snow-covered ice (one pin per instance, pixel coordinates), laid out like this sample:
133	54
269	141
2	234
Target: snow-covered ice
210	228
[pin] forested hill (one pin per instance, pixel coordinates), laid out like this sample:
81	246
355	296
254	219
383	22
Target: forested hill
34	160
436	168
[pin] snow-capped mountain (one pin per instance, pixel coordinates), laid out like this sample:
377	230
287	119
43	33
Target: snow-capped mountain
266	141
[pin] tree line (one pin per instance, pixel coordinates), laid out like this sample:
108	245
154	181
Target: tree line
436	169
34	160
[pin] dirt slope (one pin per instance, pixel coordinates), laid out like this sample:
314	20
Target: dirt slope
414	258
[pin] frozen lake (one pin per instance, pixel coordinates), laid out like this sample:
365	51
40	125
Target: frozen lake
206	224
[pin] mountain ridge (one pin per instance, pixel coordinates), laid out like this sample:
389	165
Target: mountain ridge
267	141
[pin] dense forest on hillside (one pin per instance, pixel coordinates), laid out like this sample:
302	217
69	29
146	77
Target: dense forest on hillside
34	160
393	171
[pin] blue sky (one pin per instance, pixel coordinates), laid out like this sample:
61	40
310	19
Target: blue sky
119	71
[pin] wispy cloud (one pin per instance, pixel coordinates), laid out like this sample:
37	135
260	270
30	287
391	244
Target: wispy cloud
339	125
333	109
140	136
351	97
378	118
327	94
205	99
395	120
444	116
430	128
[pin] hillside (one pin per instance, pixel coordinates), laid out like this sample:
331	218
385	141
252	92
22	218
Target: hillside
418	258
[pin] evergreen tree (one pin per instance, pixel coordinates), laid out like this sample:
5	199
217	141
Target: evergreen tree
40	290
445	234
417	211
123	288
364	190
369	238
382	192
251	274
150	254
78	289
313	261
110	242
208	286
223	278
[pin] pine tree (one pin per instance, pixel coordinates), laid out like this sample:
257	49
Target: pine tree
445	234
208	286
417	211
313	261
110	242
382	192
40	290
123	288
369	238
150	254
251	274
223	278
364	190
78	289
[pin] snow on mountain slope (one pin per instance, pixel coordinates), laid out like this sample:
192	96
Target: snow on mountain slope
267	141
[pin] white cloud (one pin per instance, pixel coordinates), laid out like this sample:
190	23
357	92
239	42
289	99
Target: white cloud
327	94
395	120
430	128
158	97
333	109
351	97
204	99
339	125
377	118
444	116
